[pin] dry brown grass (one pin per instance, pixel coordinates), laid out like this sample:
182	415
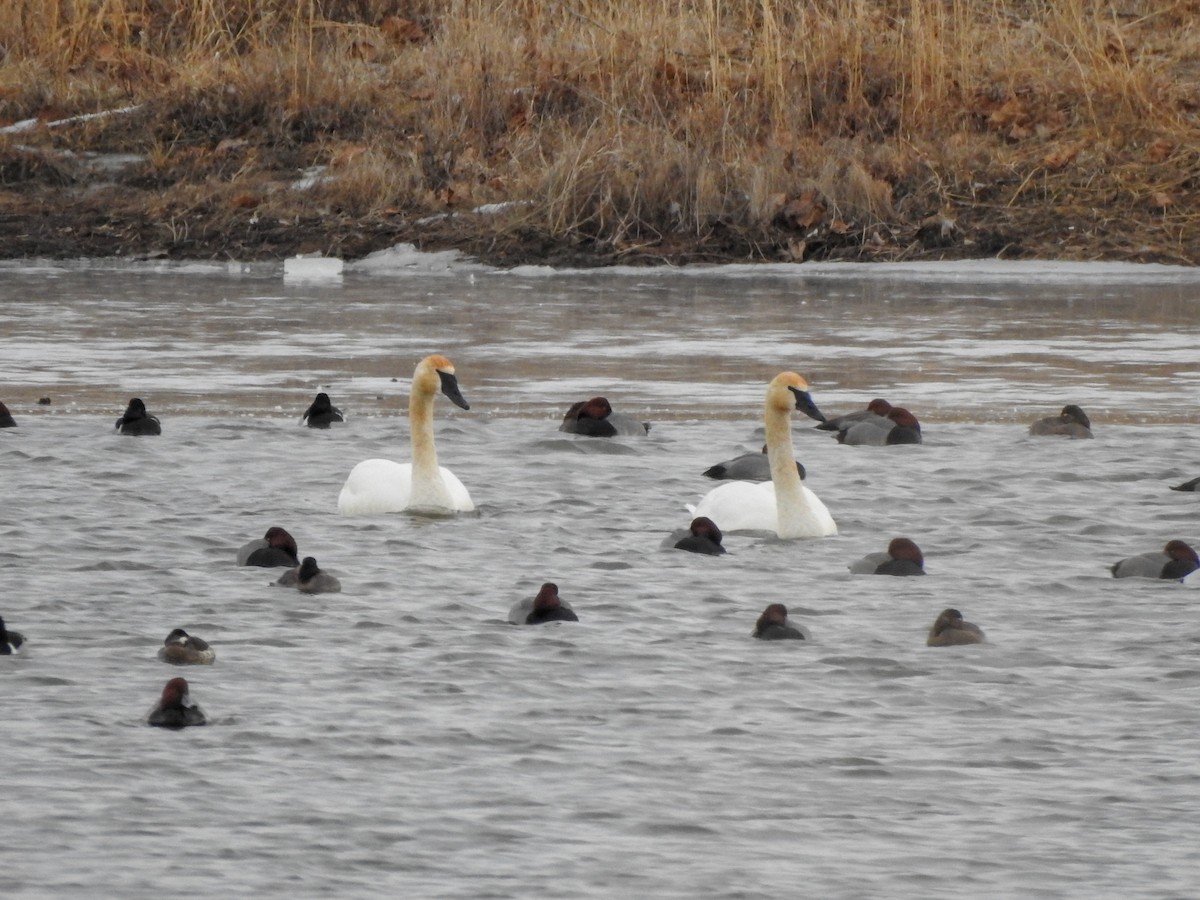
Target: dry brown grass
782	127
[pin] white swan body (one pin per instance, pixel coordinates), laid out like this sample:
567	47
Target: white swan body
782	505
382	486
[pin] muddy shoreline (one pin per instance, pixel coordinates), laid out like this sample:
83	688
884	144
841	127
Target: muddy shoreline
91	189
108	223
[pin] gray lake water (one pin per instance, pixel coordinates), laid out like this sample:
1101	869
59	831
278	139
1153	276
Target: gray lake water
400	739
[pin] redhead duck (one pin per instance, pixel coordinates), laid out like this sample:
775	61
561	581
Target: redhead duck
595	418
310	579
10	641
782	505
747	467
1176	561
903	557
876	409
6	419
182	649
137	421
547	606
774	625
1072	422
176	709
382	486
898	426
1193	485
906	430
321	413
705	537
275	548
950	629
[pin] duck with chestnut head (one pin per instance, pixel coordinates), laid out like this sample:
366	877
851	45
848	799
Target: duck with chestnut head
902	557
176	708
547	606
274	549
774	625
704	537
595	418
1174	562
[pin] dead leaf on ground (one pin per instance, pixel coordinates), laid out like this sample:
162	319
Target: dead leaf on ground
347	154
402	31
1061	156
231	145
804	211
364	50
1160	150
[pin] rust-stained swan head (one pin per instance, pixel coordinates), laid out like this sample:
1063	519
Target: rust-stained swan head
788	391
436	373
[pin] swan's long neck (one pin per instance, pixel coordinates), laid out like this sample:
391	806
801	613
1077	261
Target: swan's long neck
428	488
790	504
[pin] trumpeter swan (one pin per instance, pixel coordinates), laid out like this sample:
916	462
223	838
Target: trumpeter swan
782	505
382	486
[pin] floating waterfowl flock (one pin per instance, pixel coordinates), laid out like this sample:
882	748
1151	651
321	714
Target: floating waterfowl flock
763	492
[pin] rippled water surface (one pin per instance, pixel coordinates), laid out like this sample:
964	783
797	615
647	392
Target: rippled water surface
401	739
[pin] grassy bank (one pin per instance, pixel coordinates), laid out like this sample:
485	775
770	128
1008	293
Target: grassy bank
603	130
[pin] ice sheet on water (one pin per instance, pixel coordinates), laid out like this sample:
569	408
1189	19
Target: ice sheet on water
312	268
968	271
406	259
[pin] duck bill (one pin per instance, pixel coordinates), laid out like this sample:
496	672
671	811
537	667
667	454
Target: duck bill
804	403
450	389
